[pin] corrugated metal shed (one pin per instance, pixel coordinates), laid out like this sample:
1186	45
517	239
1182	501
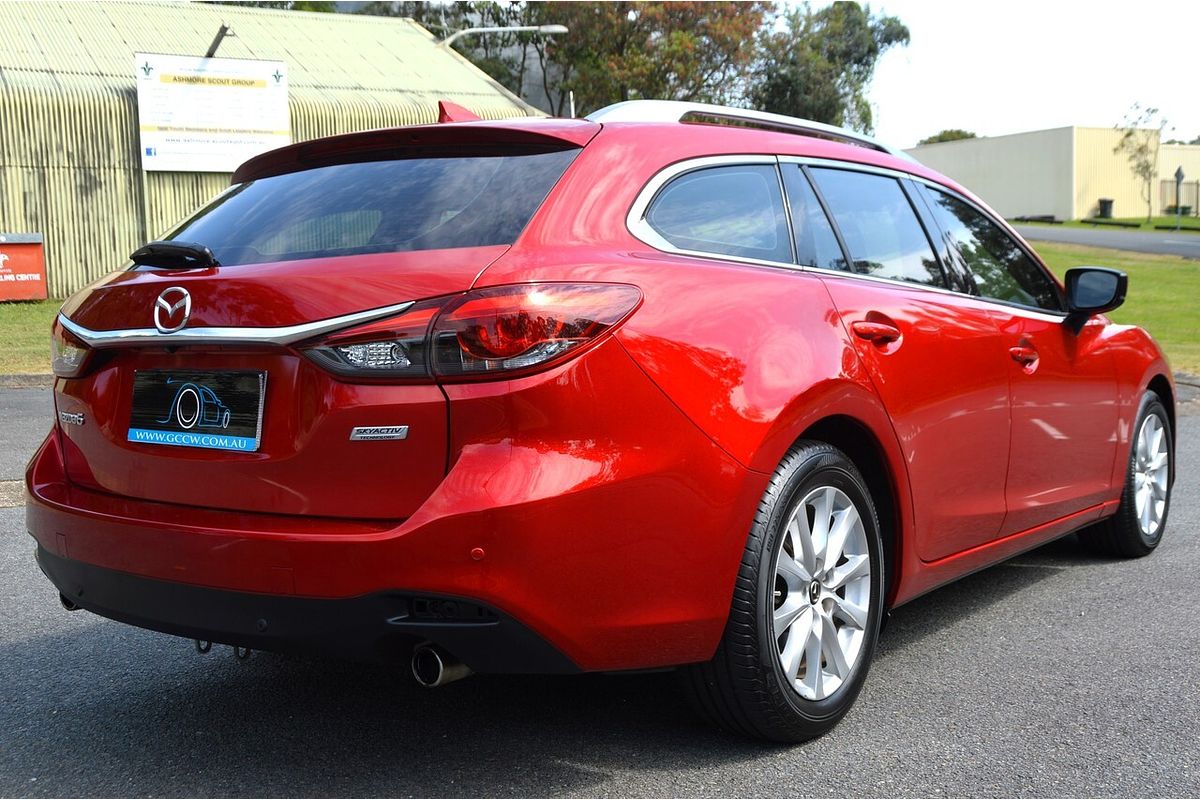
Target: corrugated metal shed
69	158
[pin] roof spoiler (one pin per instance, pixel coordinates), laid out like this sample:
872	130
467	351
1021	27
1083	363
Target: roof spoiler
516	136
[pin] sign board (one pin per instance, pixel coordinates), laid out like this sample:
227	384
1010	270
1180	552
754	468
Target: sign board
209	114
22	267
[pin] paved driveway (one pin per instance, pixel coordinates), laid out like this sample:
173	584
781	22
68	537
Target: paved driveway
1055	674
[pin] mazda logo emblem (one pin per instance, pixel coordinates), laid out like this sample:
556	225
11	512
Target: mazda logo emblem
173	304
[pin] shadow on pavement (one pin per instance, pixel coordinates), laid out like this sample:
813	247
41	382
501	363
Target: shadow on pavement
125	711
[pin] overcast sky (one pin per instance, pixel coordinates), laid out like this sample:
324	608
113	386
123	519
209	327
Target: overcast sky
1003	67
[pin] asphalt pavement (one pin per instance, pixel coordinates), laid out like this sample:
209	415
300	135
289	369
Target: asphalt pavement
1055	674
1161	242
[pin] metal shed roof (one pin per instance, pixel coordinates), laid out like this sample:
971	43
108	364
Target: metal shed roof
70	165
383	60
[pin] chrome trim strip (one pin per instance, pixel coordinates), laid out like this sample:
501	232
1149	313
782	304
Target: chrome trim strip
282	336
660	111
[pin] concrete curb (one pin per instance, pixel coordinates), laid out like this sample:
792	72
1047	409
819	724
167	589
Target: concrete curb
34	380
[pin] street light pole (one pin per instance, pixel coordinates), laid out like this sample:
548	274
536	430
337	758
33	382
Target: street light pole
548	29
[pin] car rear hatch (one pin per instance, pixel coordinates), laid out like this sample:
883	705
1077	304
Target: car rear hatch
194	388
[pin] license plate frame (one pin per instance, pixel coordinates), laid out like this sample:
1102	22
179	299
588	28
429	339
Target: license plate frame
201	408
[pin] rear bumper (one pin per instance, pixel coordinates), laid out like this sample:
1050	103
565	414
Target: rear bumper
581	506
382	626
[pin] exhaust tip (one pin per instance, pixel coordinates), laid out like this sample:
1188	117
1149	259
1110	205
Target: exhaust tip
427	666
432	667
67	603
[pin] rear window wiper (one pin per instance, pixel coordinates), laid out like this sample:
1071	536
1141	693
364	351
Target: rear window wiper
174	255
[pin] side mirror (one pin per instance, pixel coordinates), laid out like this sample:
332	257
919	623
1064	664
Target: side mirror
1091	291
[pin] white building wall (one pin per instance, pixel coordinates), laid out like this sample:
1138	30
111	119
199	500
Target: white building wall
1022	174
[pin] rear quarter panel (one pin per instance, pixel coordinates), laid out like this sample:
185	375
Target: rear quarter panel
753	355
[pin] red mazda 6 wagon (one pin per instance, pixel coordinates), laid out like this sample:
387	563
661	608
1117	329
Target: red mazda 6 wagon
671	386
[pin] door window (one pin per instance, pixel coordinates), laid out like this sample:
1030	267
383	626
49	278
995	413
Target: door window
999	268
816	243
880	227
734	210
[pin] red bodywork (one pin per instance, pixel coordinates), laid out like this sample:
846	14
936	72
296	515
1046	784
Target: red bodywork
604	501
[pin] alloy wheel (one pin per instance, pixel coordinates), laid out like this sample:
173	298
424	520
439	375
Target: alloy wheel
1151	474
822	593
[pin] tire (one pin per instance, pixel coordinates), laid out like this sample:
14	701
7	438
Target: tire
744	688
1137	527
187	425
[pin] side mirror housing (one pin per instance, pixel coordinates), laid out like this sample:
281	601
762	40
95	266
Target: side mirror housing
1093	290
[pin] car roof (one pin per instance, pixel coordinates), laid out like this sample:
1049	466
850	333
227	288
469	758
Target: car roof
684	127
671	111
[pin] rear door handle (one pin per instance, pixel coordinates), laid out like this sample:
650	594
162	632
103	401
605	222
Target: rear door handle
877	332
1023	355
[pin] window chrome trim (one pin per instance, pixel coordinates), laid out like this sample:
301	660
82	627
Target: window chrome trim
1032	313
1036	313
282	336
636	223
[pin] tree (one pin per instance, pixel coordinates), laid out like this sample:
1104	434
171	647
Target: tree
818	64
666	50
1141	132
613	51
948	135
503	56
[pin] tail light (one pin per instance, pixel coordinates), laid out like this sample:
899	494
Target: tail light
496	332
391	348
69	355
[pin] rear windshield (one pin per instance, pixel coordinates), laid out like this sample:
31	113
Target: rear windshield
377	207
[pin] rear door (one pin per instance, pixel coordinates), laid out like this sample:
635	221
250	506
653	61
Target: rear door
1063	384
935	356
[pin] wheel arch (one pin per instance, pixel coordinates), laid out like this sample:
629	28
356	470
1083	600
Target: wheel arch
866	449
1161	385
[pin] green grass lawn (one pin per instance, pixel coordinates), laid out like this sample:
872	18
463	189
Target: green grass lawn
1164	295
1164	298
25	331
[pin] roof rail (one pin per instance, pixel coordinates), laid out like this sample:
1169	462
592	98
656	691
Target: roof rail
676	111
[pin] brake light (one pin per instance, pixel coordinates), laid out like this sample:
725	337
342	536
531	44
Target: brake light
509	328
69	355
483	333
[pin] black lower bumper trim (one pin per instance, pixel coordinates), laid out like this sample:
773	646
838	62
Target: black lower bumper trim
382	626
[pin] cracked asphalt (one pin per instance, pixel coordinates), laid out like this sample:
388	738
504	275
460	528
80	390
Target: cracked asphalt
1055	674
